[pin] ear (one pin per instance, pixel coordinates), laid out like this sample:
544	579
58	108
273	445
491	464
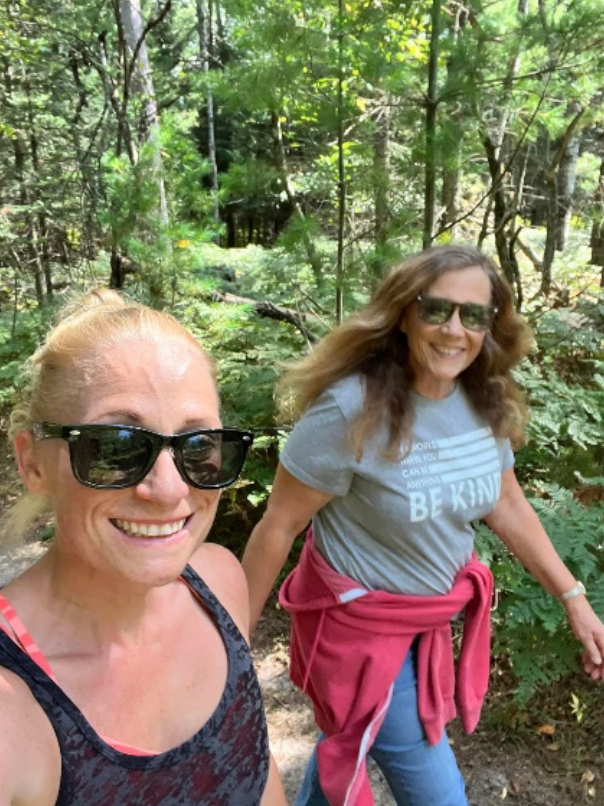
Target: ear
28	463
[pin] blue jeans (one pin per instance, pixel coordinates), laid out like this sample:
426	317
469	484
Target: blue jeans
418	773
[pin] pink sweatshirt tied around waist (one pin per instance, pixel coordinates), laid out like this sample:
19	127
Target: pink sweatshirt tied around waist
348	645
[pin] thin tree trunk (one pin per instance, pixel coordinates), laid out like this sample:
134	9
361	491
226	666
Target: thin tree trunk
135	33
30	233
501	216
341	170
381	175
455	133
205	49
40	229
290	191
431	106
597	229
551	183
566	190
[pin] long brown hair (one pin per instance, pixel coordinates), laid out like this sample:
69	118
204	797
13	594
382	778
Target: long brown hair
370	343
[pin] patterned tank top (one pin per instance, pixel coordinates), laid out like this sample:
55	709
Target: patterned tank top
224	764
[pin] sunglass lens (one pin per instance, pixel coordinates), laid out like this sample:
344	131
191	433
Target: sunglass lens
435	311
475	317
112	457
213	460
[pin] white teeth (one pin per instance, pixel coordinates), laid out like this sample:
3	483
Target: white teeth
150	529
444	351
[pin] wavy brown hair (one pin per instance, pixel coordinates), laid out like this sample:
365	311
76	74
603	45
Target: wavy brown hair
370	343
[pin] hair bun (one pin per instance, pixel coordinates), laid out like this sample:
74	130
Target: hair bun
98	297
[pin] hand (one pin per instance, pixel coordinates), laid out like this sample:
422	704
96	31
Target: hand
588	628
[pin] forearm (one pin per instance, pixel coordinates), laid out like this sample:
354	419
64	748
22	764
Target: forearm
263	559
527	540
273	793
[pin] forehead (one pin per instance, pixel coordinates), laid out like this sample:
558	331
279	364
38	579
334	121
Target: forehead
152	379
462	285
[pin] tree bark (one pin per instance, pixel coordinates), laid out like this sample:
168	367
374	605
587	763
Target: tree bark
268	310
140	67
340	269
597	228
552	182
290	191
501	217
430	131
381	174
205	37
566	190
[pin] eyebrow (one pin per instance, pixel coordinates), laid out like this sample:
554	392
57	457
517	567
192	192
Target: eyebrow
126	417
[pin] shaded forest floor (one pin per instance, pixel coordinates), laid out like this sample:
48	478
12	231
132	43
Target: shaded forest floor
540	756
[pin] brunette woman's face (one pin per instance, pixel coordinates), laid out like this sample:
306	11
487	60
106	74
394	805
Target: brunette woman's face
439	353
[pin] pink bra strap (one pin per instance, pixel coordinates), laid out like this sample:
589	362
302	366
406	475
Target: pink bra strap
23	638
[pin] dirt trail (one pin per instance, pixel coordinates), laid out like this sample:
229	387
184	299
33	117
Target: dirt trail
497	771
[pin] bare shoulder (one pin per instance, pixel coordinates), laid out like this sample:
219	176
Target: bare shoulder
30	760
222	572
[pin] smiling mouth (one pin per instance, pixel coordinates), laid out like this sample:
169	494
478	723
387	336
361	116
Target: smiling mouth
448	352
149	529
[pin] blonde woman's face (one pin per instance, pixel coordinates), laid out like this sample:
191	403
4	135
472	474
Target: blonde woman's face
148	532
439	353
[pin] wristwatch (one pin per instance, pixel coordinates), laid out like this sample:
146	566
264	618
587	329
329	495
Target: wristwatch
578	590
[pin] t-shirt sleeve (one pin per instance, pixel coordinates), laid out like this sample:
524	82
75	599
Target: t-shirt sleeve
506	454
319	451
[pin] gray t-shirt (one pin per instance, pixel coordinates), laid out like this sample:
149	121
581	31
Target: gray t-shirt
402	526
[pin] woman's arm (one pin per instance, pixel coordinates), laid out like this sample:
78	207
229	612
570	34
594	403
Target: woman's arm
290	507
273	792
30	761
516	523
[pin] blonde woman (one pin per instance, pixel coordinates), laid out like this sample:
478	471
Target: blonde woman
125	674
407	416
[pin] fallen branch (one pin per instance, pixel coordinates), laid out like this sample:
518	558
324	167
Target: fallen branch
268	310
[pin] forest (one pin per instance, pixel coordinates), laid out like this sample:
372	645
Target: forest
255	168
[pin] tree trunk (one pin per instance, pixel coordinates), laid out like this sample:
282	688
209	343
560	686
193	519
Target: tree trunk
340	269
281	160
454	133
597	228
552	182
381	175
40	232
204	30
566	190
30	232
431	106
135	33
501	217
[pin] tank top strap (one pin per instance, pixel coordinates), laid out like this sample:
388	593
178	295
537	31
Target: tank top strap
22	637
208	599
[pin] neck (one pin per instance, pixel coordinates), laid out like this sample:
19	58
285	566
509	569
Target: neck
100	608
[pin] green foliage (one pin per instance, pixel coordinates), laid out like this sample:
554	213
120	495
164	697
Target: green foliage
561	470
20	334
530	625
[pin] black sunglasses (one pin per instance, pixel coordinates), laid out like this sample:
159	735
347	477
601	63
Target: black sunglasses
111	457
472	315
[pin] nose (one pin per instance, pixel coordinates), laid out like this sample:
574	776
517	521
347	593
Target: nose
163	484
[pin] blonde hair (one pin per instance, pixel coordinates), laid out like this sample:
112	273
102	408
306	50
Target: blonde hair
371	343
88	327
